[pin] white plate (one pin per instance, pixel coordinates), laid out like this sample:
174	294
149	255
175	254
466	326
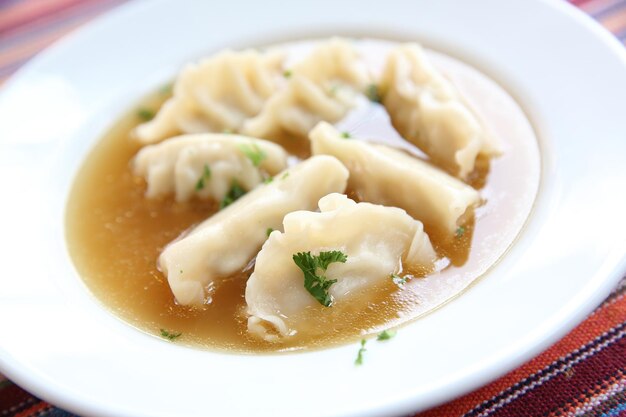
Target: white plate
59	343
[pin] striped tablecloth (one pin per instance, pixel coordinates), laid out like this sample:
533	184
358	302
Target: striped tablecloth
583	375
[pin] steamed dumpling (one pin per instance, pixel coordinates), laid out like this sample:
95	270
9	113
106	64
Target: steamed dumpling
375	239
383	175
427	110
323	86
207	165
227	241
215	95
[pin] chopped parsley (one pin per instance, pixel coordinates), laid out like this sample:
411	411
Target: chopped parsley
398	280
206	175
346	135
386	335
372	93
268	231
268	180
166	90
362	350
287	73
285	175
313	267
170	335
253	152
460	231
233	194
145	114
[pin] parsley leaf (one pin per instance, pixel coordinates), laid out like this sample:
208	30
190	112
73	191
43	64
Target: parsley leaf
166	90
287	73
386	335
268	180
285	175
206	175
362	350
398	280
315	283
460	231
233	194
268	231
170	335
372	93
253	152
145	114
346	135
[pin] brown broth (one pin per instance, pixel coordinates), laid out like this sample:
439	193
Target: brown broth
115	236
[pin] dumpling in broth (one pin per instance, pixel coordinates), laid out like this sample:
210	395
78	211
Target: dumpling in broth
375	241
216	94
225	243
427	110
383	175
207	165
323	86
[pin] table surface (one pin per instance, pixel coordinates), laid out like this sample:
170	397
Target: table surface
584	374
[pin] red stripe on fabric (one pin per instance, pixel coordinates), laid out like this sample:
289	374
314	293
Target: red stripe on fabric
556	392
35	410
28	11
14	399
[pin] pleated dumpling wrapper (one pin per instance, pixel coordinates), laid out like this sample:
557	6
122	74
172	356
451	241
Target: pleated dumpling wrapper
226	242
384	175
360	245
207	165
216	94
323	86
427	109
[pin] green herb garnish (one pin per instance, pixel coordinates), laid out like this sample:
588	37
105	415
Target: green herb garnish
346	135
206	175
460	231
233	194
253	152
285	175
372	93
362	350
268	231
170	335
145	114
268	180
313	268
398	280
386	335
166	90
287	73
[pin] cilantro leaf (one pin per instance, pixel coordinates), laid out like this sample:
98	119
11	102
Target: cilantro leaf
253	152
170	335
346	135
145	114
372	93
206	175
233	194
398	280
287	73
315	282
362	350
386	335
460	231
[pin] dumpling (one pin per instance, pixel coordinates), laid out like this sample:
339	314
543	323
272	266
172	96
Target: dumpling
427	110
207	165
216	94
375	240
227	241
383	175
323	86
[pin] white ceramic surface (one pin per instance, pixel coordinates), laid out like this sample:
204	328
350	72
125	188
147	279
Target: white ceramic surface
59	343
